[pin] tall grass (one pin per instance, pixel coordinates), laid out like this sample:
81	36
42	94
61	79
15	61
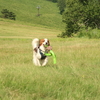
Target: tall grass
75	76
89	33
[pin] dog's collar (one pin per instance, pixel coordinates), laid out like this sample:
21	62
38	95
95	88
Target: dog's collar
43	56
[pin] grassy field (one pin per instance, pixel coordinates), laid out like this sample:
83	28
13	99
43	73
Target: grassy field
26	12
76	76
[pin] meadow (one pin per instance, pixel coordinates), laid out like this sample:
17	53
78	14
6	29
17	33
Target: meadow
76	76
26	12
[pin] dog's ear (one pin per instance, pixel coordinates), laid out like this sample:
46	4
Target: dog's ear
35	49
41	41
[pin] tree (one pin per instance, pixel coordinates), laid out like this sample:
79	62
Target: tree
72	17
79	12
7	14
12	16
92	11
62	5
53	1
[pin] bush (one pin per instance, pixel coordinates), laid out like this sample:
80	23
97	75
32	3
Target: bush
90	33
53	0
7	14
79	12
62	35
62	5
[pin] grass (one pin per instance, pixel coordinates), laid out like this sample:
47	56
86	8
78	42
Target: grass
26	12
90	33
75	76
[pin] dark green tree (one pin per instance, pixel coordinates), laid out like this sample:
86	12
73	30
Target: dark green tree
7	14
79	12
12	16
72	17
92	14
53	0
62	5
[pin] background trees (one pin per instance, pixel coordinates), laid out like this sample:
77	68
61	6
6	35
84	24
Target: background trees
79	13
61	5
53	0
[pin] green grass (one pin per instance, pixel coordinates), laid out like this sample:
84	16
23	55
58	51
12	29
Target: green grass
76	76
11	28
89	33
26	12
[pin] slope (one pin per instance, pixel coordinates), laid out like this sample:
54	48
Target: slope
26	11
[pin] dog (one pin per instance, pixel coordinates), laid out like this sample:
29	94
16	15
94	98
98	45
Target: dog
40	47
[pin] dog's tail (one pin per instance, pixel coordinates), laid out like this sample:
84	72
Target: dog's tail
35	43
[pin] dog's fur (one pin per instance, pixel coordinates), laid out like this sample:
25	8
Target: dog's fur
39	48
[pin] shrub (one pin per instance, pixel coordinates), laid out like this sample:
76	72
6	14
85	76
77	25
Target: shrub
79	12
7	14
90	33
53	0
62	5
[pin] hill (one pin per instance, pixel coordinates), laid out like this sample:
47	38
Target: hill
26	11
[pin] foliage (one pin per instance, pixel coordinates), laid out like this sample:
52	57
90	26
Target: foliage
90	33
72	17
92	16
80	12
53	0
7	14
62	5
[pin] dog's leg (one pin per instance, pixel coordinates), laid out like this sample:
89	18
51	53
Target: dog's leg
45	62
36	61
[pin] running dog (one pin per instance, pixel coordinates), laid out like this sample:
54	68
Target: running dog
40	47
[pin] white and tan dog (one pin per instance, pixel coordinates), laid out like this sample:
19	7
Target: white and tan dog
40	47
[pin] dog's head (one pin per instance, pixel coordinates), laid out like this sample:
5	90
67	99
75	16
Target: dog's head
44	42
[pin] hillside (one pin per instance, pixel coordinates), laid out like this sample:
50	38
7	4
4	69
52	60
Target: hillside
26	11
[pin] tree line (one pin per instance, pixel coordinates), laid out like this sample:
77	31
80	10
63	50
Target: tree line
77	14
